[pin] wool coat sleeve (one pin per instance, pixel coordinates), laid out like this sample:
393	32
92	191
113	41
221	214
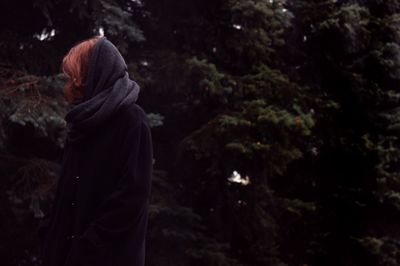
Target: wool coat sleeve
123	213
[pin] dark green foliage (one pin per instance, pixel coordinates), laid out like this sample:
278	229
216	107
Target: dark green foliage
178	235
356	68
32	113
27	186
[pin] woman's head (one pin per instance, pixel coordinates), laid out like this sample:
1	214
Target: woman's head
75	66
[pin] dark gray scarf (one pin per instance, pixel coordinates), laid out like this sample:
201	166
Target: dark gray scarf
108	89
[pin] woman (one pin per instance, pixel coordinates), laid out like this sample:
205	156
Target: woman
99	216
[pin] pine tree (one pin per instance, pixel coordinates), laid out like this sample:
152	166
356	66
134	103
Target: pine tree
351	55
251	122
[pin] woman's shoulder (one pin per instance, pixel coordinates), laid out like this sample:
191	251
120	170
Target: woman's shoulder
134	127
133	116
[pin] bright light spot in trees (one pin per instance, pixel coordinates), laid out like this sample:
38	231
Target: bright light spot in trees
237	178
101	31
314	151
237	26
44	35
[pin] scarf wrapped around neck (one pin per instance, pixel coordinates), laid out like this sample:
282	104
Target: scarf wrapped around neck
108	89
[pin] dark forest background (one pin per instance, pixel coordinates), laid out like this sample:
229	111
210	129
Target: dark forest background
275	125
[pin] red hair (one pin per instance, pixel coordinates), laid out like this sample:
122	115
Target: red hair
75	66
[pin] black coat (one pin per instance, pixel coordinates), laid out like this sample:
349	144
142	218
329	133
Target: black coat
101	206
100	212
